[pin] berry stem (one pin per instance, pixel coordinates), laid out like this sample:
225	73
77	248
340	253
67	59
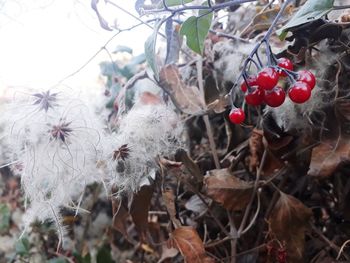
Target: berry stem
255	49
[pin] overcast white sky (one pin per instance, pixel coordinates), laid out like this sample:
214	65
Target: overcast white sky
41	41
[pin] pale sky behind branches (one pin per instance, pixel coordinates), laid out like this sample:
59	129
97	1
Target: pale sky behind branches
42	41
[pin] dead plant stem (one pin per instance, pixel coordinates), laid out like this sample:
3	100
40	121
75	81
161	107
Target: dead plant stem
233	232
199	64
256	184
329	242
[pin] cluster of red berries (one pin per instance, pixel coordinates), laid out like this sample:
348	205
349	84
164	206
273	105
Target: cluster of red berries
264	87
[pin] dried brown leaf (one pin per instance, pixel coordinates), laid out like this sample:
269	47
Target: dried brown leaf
169	164
327	157
167	253
182	156
187	98
256	149
219	105
262	21
120	214
190	245
139	207
169	200
226	189
288	222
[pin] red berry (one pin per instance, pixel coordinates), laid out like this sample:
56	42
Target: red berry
286	64
299	92
275	97
237	116
267	78
251	81
255	98
307	77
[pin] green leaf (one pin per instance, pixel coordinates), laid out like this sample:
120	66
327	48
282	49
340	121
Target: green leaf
196	30
5	215
310	11
104	255
139	59
109	68
81	259
57	260
120	48
150	49
177	2
22	247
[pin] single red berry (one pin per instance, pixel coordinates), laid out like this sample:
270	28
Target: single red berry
286	64
300	92
275	97
307	77
251	81
256	97
267	78
237	116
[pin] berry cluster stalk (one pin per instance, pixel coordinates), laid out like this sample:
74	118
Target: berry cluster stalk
256	48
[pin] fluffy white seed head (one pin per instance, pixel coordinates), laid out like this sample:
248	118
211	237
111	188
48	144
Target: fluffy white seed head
299	116
148	131
56	138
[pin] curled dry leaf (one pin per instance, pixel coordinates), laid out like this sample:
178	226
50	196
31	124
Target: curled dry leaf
190	245
169	164
187	98
256	149
288	222
219	105
263	20
193	169
169	200
226	189
327	157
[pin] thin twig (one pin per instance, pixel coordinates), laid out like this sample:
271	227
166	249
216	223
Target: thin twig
210	8
130	14
216	243
340	7
223	229
104	47
222	34
251	22
233	232
254	217
264	40
329	242
256	184
249	251
342	248
199	64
